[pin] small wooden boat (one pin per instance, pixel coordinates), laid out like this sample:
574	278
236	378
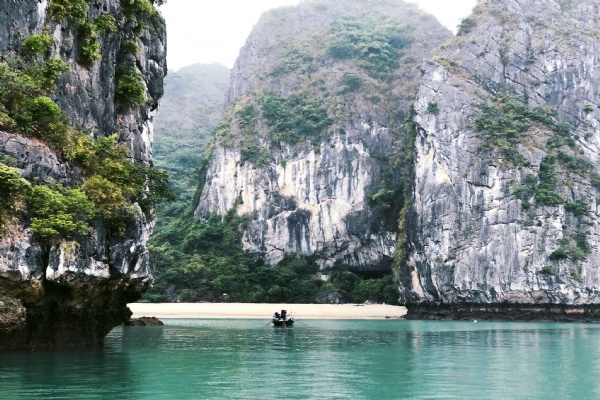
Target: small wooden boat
282	319
289	321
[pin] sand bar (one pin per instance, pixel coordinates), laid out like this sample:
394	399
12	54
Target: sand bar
262	310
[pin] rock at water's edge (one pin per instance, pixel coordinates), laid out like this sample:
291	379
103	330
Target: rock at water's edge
144	321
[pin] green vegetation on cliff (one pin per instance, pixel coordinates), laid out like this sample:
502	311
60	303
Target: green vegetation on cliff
13	194
508	123
296	118
190	109
112	183
205	262
374	45
344	69
195	261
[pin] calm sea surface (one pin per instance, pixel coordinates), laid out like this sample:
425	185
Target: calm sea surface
246	359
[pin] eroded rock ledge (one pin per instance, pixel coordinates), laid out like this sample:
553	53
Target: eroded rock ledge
505	312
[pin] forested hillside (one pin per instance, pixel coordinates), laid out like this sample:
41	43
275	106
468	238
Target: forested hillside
192	106
307	168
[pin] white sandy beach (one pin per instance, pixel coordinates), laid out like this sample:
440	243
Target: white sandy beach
262	310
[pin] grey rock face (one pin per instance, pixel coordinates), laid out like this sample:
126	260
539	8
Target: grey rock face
315	205
470	238
36	160
75	292
312	198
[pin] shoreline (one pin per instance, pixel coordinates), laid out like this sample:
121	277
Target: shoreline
266	310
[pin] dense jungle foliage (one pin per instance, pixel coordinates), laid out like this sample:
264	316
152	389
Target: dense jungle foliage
194	261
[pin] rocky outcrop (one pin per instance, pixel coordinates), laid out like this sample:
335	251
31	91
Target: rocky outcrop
317	196
74	292
482	229
144	321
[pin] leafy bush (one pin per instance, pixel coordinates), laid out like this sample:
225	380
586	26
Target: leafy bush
90	48
24	103
257	155
37	45
433	108
291	62
36	114
247	119
105	24
375	45
114	181
109	198
545	191
574	163
548	197
129	46
385	208
581	240
130	90
466	25
297	118
506	123
13	193
148	186
559	254
523	192
578	254
352	82
52	70
143	8
57	212
72	10
578	207
576	274
547	270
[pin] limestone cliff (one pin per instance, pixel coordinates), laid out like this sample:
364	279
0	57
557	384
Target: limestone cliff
72	292
505	191
315	116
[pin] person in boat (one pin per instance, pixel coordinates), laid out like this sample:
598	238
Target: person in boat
276	316
283	314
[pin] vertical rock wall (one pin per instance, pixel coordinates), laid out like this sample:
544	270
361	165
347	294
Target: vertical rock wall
313	197
472	239
76	291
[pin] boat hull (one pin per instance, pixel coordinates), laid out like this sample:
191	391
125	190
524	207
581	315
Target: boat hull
288	323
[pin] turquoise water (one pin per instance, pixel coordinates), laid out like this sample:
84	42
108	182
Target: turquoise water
246	359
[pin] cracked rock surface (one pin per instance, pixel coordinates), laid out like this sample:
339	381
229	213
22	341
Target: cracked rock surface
74	292
471	240
312	198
